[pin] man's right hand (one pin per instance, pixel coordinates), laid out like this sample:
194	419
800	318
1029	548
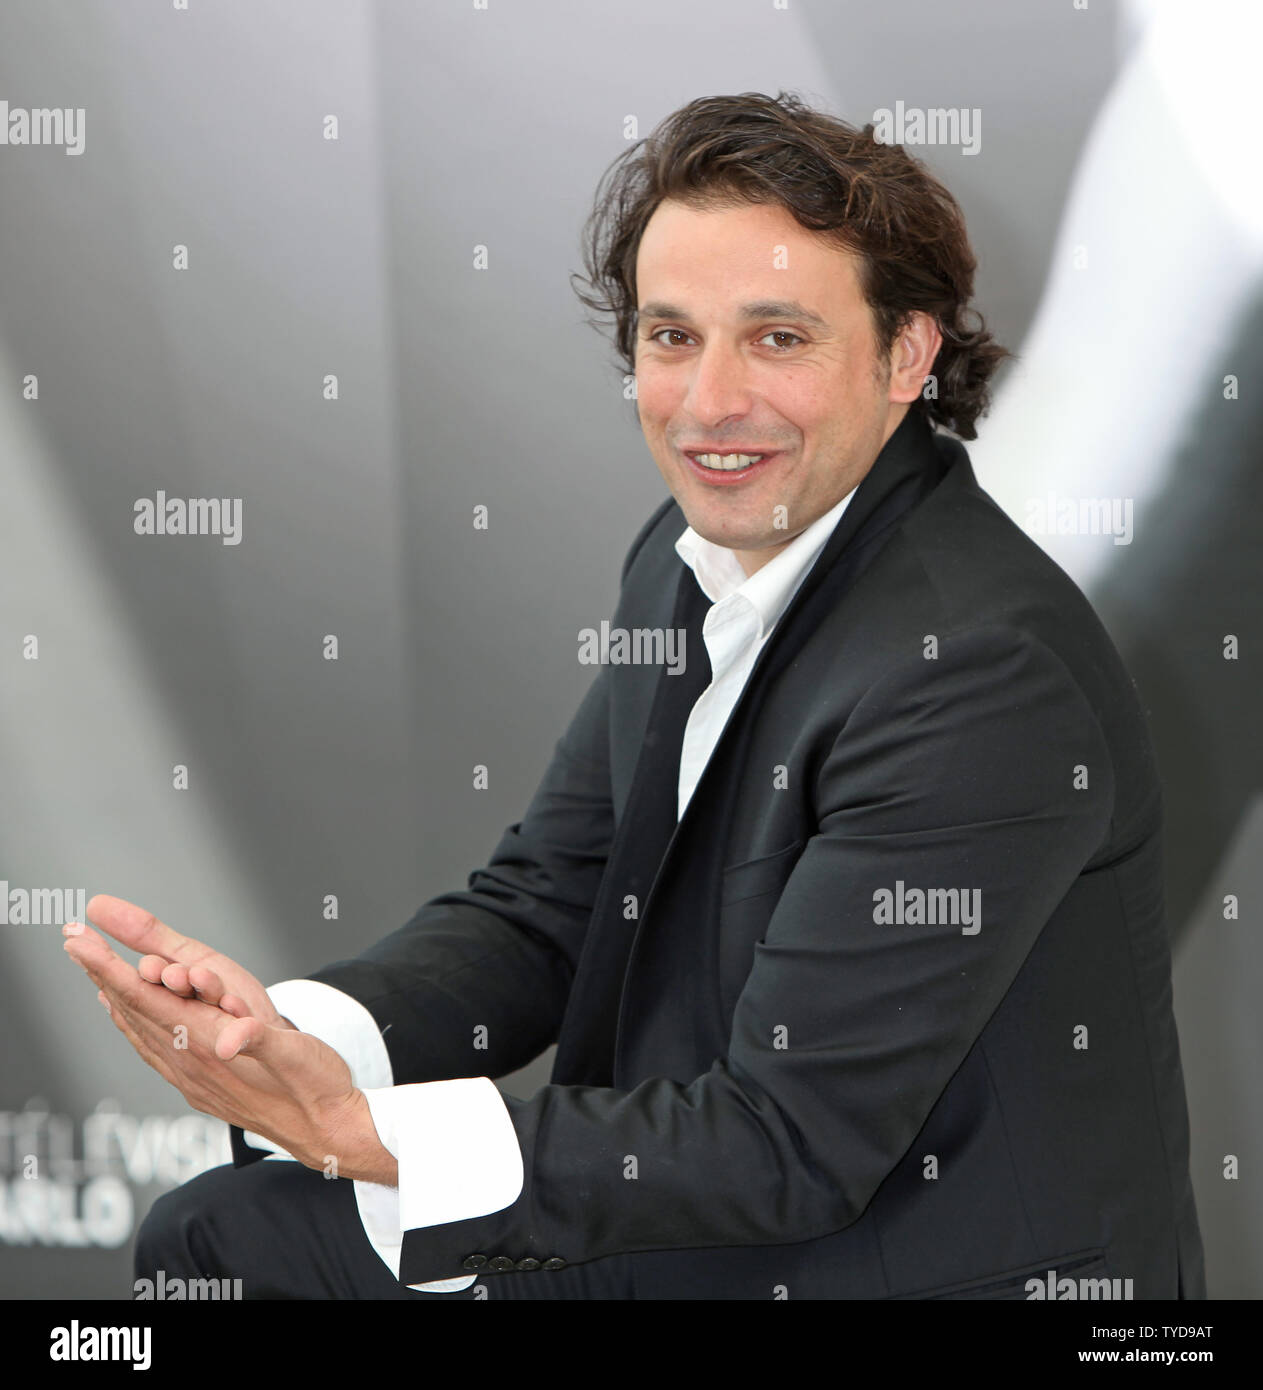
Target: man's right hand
187	967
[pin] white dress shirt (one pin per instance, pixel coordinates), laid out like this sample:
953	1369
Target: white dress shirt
456	1147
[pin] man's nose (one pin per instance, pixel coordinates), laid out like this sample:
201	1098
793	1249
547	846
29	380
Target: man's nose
719	385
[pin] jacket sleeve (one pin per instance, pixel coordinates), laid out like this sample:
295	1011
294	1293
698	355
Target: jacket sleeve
984	771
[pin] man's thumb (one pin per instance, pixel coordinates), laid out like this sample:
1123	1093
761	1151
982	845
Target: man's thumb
246	1036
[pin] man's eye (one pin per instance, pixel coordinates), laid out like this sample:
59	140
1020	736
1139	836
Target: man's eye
783	333
656	337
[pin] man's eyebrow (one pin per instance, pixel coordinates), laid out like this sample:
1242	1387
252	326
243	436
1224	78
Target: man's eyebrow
761	309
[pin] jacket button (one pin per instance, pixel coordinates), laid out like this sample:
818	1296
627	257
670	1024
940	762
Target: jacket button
555	1263
473	1262
500	1262
528	1263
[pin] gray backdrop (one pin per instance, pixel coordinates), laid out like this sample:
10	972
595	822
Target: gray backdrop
459	127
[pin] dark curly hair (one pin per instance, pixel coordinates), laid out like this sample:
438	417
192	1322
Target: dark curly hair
870	198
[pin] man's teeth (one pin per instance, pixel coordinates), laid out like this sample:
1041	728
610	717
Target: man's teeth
727	462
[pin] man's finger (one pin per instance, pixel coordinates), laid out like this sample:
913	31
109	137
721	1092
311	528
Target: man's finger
188	982
80	931
208	987
93	953
142	931
151	968
176	978
235	1005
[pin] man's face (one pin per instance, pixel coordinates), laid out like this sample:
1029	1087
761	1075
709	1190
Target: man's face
720	293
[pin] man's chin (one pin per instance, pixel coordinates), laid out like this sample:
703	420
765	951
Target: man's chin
731	538
730	533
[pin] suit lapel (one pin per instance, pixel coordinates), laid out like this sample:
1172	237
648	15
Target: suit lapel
585	1048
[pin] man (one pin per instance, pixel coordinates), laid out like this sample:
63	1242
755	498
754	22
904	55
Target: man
850	933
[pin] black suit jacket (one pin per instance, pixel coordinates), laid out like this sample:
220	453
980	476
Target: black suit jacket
819	1100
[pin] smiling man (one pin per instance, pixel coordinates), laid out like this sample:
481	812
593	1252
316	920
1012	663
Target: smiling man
850	932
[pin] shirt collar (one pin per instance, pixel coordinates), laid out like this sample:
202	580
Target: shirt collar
770	588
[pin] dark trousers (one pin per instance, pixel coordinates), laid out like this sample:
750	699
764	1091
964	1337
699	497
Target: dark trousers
287	1231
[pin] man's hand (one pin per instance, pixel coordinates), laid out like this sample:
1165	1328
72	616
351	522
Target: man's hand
270	1079
185	966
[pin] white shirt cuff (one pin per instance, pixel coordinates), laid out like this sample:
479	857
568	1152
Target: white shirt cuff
458	1157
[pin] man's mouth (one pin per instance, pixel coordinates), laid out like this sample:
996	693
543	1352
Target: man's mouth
728	464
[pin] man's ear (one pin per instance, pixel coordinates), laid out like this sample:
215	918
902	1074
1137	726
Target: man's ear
912	356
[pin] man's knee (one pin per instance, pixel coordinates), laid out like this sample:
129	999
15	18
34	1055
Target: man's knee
172	1237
